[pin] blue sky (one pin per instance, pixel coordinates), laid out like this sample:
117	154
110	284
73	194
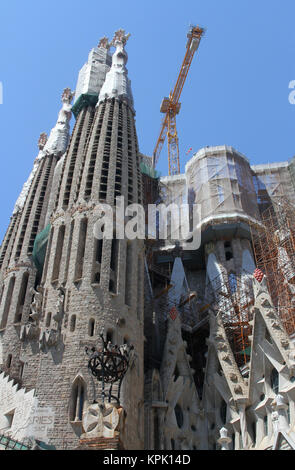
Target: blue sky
236	92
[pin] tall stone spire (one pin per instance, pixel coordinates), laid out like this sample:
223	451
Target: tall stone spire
55	145
117	84
92	285
18	273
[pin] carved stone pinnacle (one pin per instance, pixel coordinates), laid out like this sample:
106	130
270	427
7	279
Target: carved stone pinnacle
42	140
120	36
67	95
104	42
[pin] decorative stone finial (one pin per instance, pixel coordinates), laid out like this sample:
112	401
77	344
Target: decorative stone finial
42	140
67	95
120	37
224	440
104	43
117	84
258	275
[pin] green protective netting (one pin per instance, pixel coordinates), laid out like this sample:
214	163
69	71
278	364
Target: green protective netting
86	99
39	250
149	170
246	351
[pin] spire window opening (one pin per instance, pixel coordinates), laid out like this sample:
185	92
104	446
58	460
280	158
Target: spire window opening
7	303
73	323
21	298
81	250
76	145
110	336
91	326
69	250
114	265
58	253
128	273
9	361
48	320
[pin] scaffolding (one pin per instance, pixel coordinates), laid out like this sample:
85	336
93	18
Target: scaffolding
274	251
233	299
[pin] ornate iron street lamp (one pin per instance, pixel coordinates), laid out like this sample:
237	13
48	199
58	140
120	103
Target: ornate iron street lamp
109	364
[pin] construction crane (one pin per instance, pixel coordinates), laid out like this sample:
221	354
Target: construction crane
171	106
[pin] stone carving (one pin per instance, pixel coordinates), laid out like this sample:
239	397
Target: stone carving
67	95
104	43
226	358
29	331
36	305
263	304
60	306
120	322
238	390
221	346
219	340
81	207
270	314
48	338
276	325
102	420
42	140
285	343
233	377
120	37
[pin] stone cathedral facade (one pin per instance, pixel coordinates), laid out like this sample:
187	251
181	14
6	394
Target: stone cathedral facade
194	379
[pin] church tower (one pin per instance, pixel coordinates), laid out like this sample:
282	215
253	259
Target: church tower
19	275
89	285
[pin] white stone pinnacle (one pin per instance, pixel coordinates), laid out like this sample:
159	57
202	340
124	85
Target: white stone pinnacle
117	83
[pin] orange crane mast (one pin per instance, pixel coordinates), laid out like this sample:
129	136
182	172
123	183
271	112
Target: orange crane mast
171	106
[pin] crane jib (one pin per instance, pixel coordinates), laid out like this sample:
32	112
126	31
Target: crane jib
171	106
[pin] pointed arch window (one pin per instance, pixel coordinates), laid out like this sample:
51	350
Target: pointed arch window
78	398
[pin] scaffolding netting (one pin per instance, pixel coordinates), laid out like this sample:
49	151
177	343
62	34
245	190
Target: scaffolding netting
39	250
